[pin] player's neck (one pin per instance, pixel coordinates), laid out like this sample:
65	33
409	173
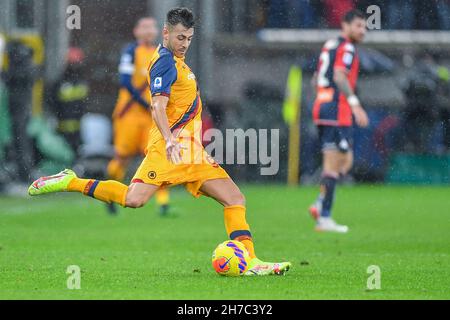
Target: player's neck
166	45
346	37
145	43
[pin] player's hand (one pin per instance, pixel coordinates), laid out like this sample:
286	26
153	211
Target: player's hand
173	150
361	118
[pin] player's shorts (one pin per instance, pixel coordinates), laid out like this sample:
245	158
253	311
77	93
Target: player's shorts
131	132
336	138
197	167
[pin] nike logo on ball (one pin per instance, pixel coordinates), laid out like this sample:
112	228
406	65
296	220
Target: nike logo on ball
223	265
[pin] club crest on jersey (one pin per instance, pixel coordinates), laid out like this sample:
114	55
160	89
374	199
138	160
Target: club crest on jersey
348	58
157	83
191	76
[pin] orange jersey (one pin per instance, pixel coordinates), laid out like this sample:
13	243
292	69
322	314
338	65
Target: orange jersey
133	77
170	76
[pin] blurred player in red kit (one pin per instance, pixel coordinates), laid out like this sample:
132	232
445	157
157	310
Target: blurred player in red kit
335	107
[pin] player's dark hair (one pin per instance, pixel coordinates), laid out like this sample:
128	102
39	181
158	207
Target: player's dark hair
180	15
352	15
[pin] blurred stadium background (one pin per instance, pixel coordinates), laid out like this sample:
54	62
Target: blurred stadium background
242	55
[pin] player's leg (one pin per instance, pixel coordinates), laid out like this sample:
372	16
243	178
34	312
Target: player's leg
139	194
133	196
330	175
332	167
227	193
162	196
126	139
126	145
334	149
117	167
67	181
116	170
345	145
346	163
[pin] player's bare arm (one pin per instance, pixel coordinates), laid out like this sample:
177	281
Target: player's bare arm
173	147
341	80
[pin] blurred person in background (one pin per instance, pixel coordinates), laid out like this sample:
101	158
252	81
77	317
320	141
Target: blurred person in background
68	97
416	14
422	110
19	77
3	135
2	50
291	14
443	13
397	14
426	15
131	117
334	108
443	101
334	10
400	14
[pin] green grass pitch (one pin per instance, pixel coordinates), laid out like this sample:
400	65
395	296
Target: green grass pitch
138	255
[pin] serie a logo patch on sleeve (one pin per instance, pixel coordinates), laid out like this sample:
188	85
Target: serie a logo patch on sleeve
157	83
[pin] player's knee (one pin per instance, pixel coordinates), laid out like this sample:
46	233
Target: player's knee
350	162
134	201
347	163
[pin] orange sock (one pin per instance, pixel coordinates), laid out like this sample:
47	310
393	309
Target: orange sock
116	170
248	243
237	227
107	191
162	197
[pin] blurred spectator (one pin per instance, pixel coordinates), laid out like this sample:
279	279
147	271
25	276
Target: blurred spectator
334	10
2	50
277	14
443	102
400	14
303	14
291	14
445	118
426	13
19	78
422	111
68	98
443	13
417	14
396	14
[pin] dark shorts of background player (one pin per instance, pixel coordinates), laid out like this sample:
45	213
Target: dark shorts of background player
336	138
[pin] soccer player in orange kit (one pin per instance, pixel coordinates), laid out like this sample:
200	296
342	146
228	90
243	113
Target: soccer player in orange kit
176	110
132	118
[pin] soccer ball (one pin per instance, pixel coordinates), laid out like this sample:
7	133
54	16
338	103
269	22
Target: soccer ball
230	259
